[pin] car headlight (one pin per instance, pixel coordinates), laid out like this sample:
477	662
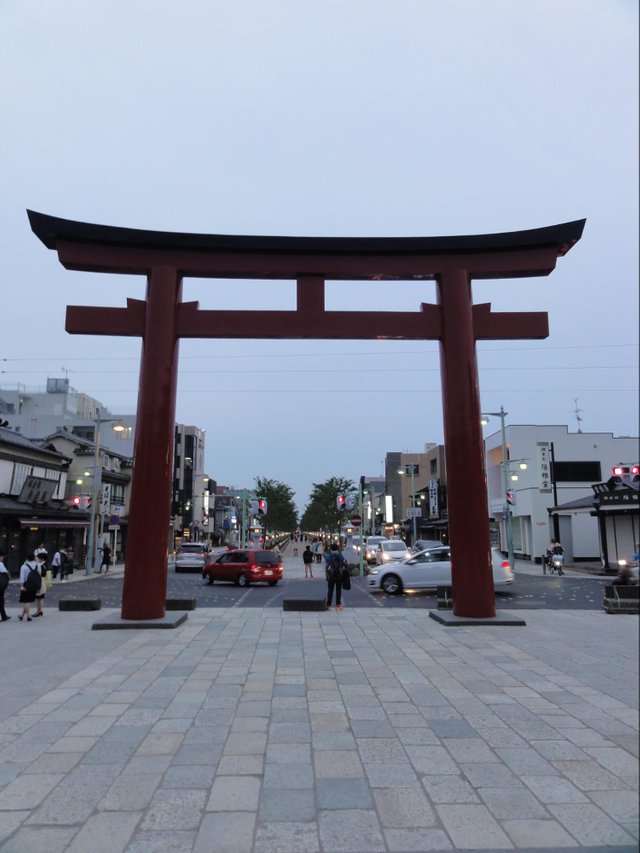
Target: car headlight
373	571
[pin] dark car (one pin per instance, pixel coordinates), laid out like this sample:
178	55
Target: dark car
244	566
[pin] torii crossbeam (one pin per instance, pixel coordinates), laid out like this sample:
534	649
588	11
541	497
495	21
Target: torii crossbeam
165	258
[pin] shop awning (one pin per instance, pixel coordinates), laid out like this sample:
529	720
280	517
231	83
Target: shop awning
52	522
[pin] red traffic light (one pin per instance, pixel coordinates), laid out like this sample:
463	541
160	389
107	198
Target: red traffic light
618	470
76	500
635	469
340	501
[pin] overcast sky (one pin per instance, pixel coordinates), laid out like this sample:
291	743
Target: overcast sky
327	118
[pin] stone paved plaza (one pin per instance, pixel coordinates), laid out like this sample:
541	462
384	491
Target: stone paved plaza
366	730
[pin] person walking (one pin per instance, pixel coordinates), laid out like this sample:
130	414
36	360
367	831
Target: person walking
60	563
30	582
106	558
307	559
45	582
335	564
5	577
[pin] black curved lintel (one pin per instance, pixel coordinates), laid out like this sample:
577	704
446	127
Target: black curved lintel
51	229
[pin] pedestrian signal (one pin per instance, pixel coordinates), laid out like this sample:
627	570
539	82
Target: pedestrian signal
340	502
262	506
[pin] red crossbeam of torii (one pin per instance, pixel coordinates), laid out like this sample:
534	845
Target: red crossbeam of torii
165	258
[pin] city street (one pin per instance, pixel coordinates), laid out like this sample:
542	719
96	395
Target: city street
531	590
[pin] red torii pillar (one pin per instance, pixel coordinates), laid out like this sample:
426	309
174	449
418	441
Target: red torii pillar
162	319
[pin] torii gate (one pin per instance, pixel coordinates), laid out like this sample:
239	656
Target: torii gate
165	258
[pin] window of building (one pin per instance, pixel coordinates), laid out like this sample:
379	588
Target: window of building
577	472
434	467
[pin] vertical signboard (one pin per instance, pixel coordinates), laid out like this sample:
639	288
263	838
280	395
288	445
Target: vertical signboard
543	464
434	509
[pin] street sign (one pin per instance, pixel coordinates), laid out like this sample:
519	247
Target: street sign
356	520
414	512
114	527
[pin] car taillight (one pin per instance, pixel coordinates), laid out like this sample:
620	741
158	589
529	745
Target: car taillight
255	567
506	564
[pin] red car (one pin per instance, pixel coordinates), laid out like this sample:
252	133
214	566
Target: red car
244	566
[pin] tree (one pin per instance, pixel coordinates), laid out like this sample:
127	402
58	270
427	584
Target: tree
281	510
321	512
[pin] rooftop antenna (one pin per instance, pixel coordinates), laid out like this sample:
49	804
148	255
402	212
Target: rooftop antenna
577	412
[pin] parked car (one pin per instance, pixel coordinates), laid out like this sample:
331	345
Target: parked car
391	550
191	557
371	546
429	569
245	566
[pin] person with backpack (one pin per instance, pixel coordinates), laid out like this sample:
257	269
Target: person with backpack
60	563
30	583
335	565
41	566
307	559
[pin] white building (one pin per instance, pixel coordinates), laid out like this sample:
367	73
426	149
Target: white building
581	460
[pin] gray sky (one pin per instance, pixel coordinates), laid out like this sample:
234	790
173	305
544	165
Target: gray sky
327	117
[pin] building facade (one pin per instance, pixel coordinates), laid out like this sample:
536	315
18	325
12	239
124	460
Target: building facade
33	509
561	468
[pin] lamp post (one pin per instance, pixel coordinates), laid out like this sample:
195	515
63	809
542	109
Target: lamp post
411	469
506	476
97	487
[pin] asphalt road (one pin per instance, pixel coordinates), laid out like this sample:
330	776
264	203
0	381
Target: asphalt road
528	592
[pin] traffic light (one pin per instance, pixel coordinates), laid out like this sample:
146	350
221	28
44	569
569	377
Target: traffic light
350	502
510	498
76	500
262	506
340	502
87	501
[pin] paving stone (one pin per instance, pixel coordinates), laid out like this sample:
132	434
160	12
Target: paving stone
391	775
286	838
589	825
616	760
554	750
334	764
76	796
289	733
105	833
621	806
453	729
289	775
153	764
403	807
589	775
165	841
449	789
431	760
554	789
332	740
507	803
28	791
281	804
473	826
470	750
343	794
374	750
130	793
538	834
241	765
226	832
228	793
350	831
289	753
40	839
420	840
525	761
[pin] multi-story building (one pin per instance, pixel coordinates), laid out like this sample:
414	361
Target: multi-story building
190	501
559	468
33	510
105	480
416	485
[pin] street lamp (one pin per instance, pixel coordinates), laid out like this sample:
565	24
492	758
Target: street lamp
506	476
411	469
118	426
